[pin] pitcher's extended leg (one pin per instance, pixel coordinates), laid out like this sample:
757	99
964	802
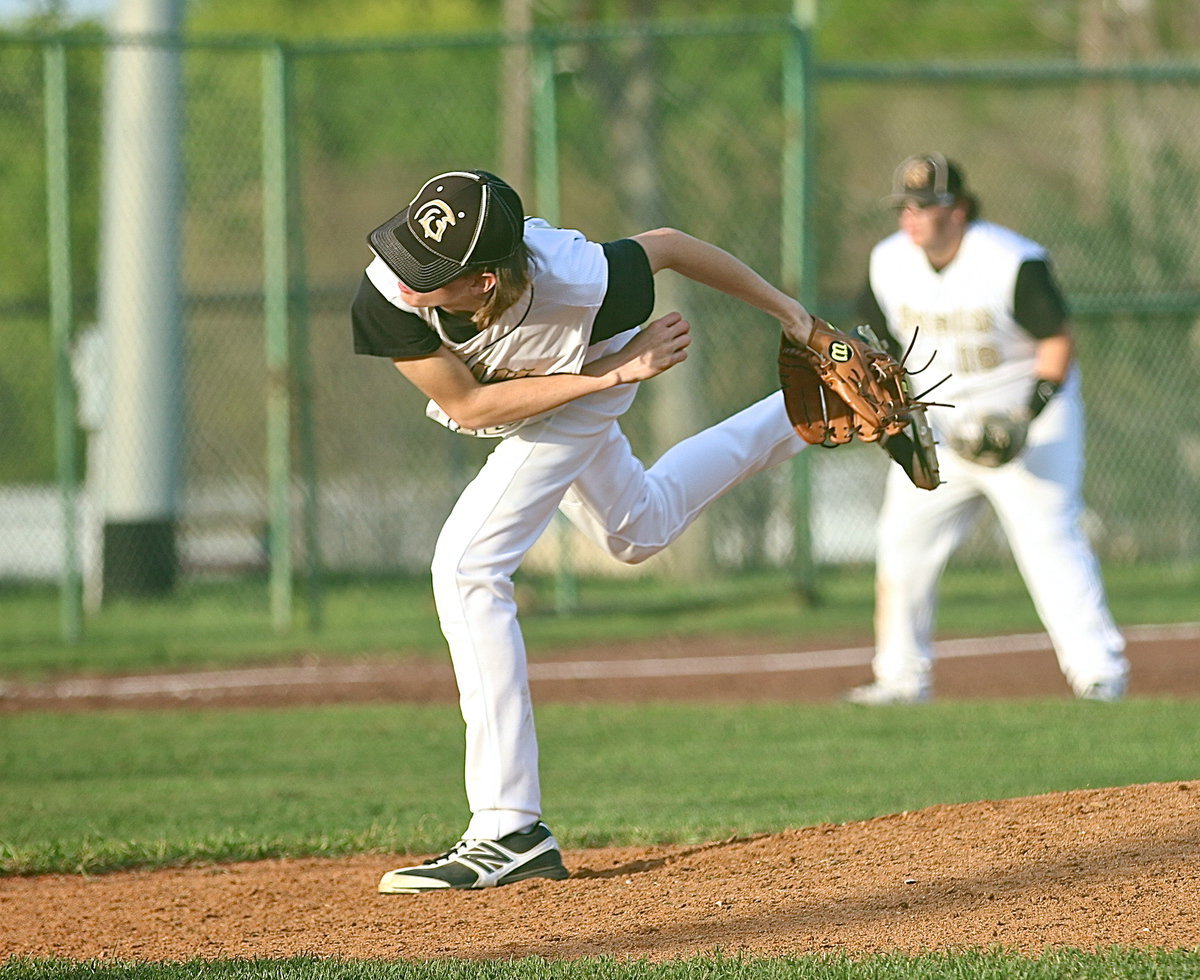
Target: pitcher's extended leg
633	512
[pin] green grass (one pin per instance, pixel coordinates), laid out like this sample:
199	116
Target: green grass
223	624
92	792
1067	964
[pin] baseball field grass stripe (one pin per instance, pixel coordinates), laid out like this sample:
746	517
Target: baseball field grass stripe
102	790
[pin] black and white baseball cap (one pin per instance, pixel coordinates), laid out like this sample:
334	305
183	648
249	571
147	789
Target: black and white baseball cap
926	179
458	221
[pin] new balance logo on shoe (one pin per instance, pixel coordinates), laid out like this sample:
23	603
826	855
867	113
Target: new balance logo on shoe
529	853
486	855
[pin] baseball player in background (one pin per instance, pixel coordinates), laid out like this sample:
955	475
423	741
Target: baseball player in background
530	334
980	304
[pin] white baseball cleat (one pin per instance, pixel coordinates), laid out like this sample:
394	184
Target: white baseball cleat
879	693
1112	689
529	853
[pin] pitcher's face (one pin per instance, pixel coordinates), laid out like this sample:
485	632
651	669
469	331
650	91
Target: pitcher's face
463	295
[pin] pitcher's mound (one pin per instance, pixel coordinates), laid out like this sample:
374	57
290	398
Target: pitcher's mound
1085	869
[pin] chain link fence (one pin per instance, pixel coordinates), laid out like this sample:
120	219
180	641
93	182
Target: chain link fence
294	456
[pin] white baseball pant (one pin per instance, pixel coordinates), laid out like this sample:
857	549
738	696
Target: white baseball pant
577	459
1038	501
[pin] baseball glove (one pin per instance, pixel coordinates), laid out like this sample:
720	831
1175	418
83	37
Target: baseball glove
840	386
993	441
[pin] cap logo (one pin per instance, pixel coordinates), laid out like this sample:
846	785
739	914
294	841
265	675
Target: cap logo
917	175
434	218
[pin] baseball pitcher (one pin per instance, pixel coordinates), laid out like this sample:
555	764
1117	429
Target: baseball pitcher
532	335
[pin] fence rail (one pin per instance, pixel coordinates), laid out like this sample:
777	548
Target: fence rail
297	458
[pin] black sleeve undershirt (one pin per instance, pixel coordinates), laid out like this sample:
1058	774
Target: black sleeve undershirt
384	330
1038	305
630	296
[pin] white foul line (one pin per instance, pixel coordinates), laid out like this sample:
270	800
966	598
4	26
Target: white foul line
182	685
767	663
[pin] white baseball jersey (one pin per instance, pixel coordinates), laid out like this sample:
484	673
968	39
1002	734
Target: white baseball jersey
963	321
547	331
962	318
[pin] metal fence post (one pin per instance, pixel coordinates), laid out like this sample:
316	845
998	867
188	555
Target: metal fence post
62	316
546	191
302	371
275	315
798	249
289	365
545	130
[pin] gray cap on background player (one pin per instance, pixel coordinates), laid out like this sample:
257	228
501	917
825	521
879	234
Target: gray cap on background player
458	221
925	179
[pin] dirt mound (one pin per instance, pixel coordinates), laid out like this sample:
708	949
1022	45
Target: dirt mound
1085	869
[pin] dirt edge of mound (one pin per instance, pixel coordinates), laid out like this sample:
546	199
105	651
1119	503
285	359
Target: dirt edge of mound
1085	869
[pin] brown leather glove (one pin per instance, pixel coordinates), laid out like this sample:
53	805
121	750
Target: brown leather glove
839	386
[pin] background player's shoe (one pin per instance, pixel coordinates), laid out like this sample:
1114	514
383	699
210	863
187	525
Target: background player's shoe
879	693
1109	690
529	853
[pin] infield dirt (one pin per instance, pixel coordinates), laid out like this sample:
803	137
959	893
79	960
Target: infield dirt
1086	869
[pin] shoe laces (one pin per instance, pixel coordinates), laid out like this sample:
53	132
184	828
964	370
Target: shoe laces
461	846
